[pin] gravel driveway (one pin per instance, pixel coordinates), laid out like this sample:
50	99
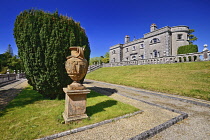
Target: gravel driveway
195	127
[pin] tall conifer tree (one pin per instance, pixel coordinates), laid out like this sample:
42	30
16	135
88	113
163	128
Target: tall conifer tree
43	41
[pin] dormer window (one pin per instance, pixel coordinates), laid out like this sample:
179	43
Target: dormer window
154	40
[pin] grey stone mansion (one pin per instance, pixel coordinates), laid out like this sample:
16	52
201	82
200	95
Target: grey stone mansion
157	43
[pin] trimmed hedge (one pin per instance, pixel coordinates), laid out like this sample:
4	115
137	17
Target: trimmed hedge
187	49
43	41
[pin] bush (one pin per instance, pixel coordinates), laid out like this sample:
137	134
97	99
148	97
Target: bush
43	41
187	49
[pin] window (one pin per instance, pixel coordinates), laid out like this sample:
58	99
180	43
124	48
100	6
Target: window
179	36
154	40
126	58
126	49
142	45
133	48
113	52
133	57
142	56
155	53
113	59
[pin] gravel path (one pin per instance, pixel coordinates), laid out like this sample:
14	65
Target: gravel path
9	92
194	127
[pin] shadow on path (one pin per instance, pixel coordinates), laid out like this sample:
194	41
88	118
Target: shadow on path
7	83
104	91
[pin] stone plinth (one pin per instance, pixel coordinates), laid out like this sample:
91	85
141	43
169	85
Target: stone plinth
75	104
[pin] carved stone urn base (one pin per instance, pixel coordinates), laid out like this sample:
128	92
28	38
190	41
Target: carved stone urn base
76	86
75	105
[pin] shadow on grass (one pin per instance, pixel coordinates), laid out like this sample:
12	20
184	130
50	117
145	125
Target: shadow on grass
99	107
26	96
104	91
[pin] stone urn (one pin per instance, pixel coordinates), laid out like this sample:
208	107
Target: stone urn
75	93
76	67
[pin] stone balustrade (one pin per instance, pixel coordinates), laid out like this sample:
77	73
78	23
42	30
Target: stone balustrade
190	57
10	77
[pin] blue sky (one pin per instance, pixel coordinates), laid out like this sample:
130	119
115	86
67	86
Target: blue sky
108	21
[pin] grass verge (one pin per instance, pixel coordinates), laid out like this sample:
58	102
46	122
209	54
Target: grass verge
187	79
29	116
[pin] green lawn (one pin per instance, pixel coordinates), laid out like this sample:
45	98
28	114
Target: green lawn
187	79
29	116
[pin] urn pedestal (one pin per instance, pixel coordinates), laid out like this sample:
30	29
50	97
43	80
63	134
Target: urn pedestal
75	93
75	104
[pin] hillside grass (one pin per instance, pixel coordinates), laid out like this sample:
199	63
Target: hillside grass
186	79
29	116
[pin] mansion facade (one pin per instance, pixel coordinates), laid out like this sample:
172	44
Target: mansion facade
157	43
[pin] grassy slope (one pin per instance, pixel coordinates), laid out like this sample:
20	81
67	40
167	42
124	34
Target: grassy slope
187	79
29	116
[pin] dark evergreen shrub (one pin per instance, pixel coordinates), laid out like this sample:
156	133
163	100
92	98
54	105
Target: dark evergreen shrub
43	41
187	49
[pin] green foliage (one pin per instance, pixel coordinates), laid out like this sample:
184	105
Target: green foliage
192	38
106	55
99	60
43	41
187	49
8	61
106	58
95	60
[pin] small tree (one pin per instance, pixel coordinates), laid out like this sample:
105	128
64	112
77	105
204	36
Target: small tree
105	59
192	37
95	60
9	50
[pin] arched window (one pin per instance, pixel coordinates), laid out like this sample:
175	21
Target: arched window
133	57
155	53
154	40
